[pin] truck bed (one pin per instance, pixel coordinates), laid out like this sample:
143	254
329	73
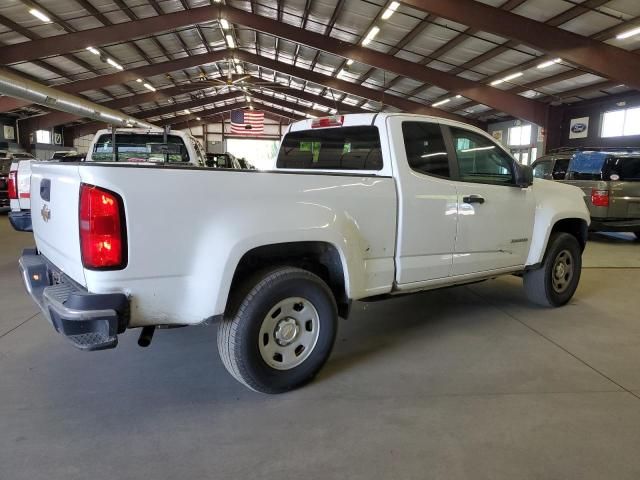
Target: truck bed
187	228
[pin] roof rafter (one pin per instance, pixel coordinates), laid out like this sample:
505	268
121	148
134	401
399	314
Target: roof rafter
604	59
513	104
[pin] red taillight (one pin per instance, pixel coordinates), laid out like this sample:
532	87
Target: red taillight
13	185
600	198
102	241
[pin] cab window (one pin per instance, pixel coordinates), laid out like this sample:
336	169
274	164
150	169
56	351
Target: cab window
425	148
480	160
346	148
140	147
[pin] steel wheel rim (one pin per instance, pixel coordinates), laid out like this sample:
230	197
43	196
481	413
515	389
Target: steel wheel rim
289	333
562	271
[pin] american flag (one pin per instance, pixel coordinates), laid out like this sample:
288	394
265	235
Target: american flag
247	122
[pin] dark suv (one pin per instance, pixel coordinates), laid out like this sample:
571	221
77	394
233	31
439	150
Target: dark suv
610	180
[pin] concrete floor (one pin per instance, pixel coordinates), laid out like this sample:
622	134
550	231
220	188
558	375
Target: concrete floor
471	382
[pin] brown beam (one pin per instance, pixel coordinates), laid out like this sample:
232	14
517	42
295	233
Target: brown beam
606	60
513	104
346	87
186	120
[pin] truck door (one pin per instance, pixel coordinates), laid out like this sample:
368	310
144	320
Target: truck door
495	217
427	201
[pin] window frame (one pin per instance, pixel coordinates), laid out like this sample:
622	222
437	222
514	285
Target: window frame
454	167
624	122
521	128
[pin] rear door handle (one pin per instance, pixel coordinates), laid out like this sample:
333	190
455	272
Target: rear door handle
473	199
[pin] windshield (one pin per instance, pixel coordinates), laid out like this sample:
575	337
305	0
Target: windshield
140	147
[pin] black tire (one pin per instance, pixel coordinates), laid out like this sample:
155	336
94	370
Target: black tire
239	331
541	286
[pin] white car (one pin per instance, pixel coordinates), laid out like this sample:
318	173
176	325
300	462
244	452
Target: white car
133	145
362	206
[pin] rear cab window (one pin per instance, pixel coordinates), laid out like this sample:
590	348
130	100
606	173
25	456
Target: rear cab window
140	147
342	148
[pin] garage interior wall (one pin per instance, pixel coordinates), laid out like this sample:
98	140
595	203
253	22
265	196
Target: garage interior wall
560	122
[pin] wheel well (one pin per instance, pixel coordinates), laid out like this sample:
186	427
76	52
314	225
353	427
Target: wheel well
573	226
320	258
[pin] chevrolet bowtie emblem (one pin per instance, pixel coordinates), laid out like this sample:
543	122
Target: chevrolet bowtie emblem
46	213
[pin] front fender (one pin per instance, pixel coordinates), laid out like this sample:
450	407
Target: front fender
554	202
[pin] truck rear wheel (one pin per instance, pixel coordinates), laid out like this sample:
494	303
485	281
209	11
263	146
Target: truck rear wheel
555	282
281	332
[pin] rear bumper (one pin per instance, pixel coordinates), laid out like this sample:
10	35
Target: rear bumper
21	221
615	225
90	321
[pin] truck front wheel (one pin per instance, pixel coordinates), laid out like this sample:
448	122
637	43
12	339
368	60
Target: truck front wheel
281	332
556	280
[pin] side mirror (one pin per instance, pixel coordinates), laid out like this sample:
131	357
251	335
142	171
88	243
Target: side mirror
524	175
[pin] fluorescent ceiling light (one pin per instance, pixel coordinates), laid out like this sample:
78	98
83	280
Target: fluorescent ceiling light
247	98
93	50
114	64
239	69
187	111
437	154
507	78
139	80
39	15
349	62
371	35
224	24
251	107
549	63
198	118
458	96
628	33
441	102
230	42
389	11
149	87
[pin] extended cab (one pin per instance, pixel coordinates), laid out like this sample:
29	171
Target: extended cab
360	207
133	145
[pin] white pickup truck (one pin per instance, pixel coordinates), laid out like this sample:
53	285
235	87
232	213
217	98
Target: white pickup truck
362	206
132	145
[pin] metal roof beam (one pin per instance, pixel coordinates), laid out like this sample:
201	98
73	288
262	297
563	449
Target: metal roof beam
601	58
513	104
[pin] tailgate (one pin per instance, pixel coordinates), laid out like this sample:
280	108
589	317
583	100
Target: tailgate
625	200
55	196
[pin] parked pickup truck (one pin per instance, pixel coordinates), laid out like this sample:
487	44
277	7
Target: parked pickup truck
132	145
362	206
